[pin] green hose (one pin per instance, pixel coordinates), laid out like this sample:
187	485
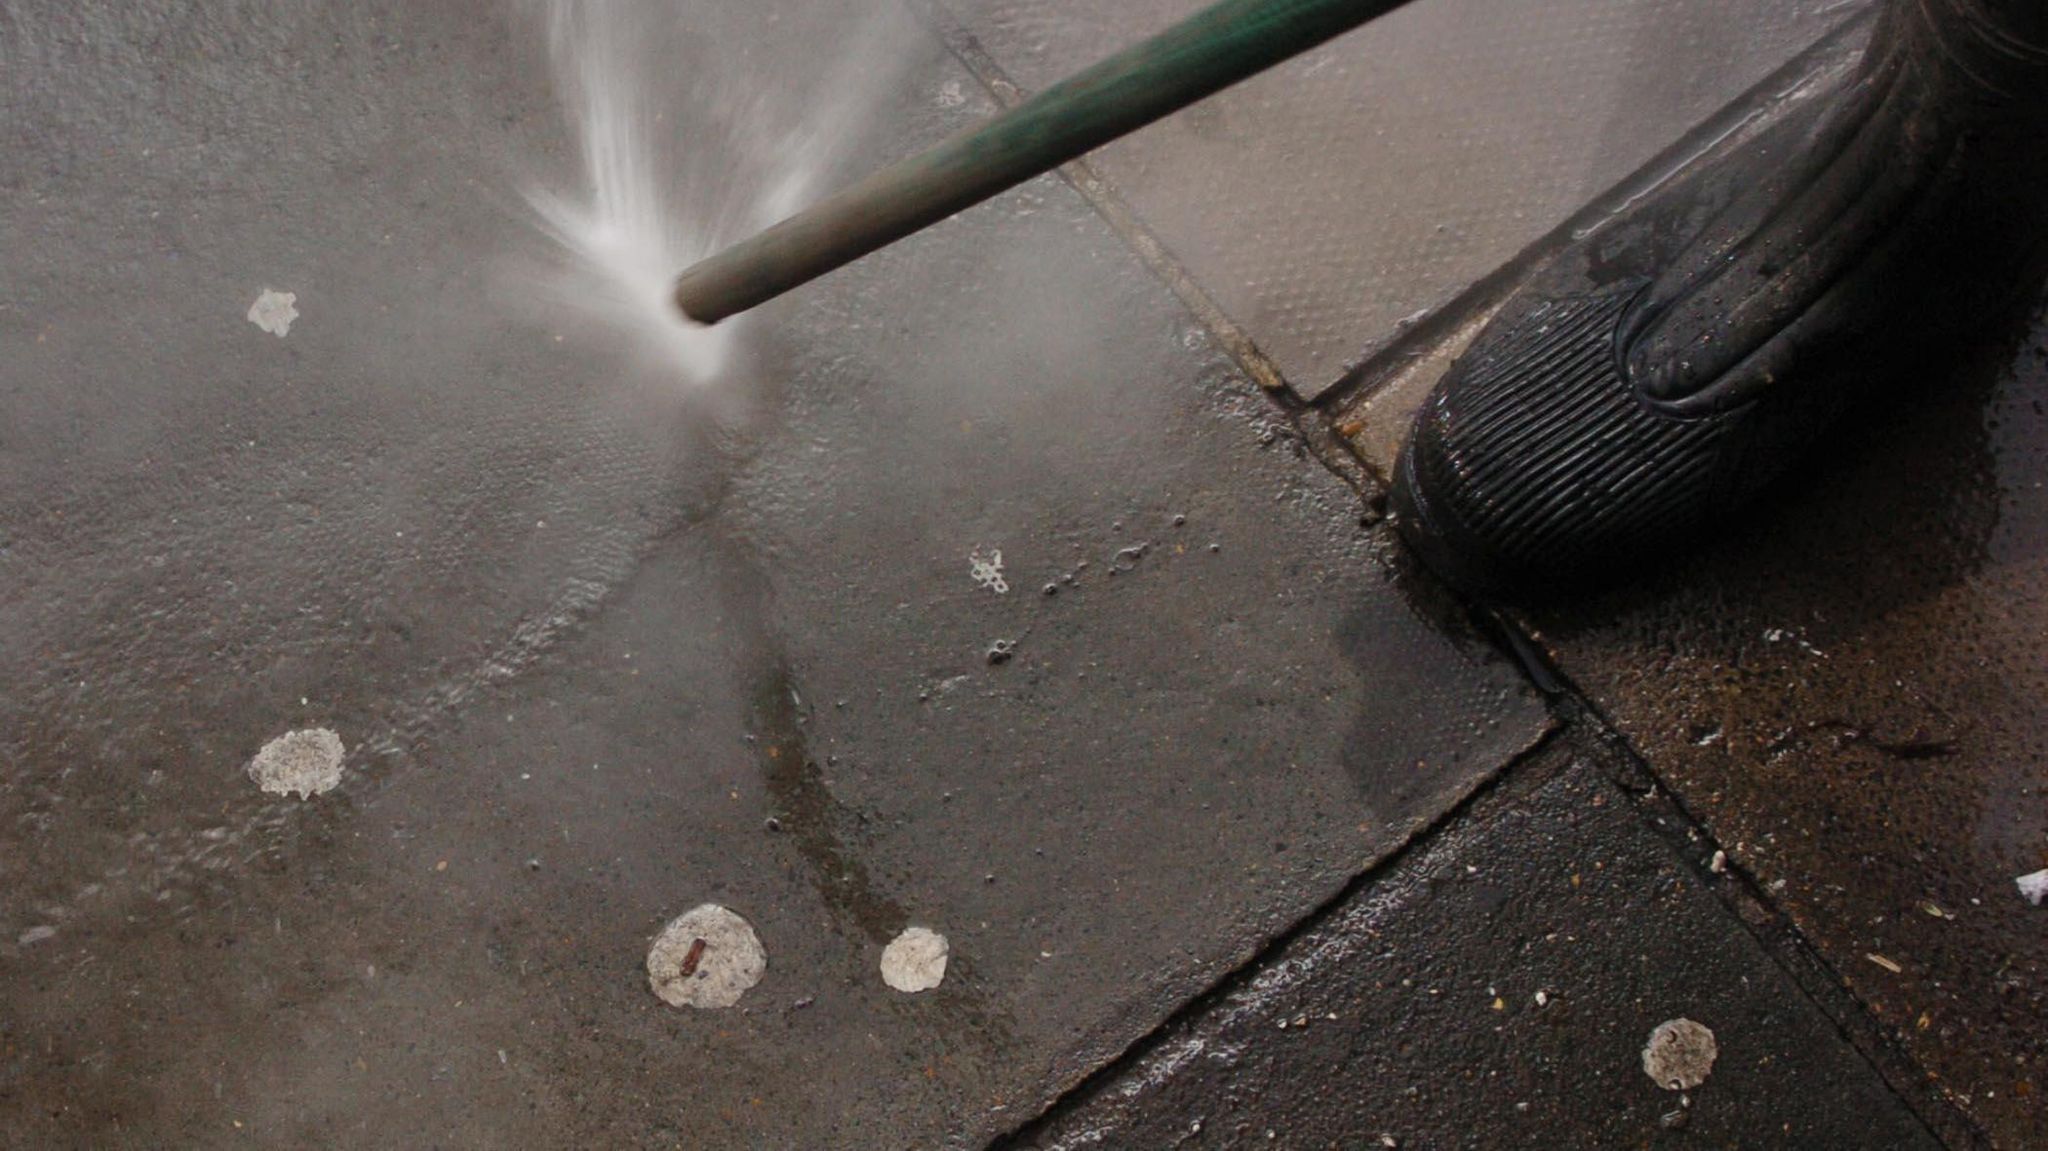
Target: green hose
1203	54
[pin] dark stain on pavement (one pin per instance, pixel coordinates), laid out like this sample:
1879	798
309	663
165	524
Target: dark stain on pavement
808	813
808	816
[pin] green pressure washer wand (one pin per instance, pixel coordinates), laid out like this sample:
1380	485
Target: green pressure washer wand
1203	54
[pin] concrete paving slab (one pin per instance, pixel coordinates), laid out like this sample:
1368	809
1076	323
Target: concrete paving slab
1496	988
1329	202
596	656
1849	692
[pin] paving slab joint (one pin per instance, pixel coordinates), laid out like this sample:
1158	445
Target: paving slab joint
1085	179
1522	775
1582	725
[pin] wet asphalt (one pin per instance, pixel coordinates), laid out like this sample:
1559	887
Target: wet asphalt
1210	758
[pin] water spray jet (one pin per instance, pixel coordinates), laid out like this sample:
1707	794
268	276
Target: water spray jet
1204	54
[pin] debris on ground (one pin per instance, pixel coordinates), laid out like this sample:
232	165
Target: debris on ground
1127	558
1783	635
306	763
707	957
274	312
987	569
915	960
1679	1054
2034	886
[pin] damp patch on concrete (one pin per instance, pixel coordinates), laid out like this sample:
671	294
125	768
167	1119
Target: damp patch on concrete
305	763
915	960
706	957
1680	1054
274	312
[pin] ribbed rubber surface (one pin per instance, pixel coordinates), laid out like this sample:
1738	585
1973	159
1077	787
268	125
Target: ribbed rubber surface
1516	453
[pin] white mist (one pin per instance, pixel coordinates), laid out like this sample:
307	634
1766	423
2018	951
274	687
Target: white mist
697	124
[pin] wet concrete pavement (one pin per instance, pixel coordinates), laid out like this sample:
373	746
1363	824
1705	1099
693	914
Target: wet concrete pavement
1851	696
599	660
1494	988
601	654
